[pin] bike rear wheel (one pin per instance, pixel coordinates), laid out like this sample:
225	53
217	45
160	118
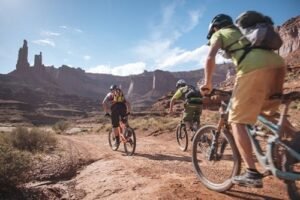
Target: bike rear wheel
291	164
215	165
182	137
130	144
112	141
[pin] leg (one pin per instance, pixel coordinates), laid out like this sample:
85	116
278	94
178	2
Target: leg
243	144
188	116
115	122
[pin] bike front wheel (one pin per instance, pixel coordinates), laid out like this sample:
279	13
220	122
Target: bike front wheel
182	137
215	158
130	143
112	141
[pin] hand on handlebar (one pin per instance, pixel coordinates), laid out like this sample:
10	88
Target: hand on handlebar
205	89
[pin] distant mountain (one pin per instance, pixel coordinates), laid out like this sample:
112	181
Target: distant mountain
57	92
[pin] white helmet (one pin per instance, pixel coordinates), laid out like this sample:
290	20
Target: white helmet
180	83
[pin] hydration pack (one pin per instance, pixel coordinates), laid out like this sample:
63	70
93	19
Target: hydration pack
259	32
118	96
191	92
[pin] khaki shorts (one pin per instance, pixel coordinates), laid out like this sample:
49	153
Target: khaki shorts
192	112
251	95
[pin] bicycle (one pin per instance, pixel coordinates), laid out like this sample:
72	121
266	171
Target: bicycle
182	133
216	159
127	137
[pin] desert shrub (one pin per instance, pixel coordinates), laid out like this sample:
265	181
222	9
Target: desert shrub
13	167
156	123
60	126
32	140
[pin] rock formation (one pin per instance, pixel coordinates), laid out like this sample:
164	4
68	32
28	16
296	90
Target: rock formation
290	34
22	63
38	61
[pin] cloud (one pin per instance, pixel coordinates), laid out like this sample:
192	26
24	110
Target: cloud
180	57
160	48
44	42
78	30
63	27
86	57
122	70
49	33
194	17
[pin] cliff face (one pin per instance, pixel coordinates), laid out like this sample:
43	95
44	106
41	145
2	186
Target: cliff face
290	34
41	85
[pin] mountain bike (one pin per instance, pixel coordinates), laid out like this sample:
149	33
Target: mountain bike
182	133
127	137
216	159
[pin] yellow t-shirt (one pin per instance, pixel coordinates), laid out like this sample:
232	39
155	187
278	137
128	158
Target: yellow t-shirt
255	59
179	93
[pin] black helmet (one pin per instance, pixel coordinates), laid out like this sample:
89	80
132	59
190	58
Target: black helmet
219	21
113	87
180	83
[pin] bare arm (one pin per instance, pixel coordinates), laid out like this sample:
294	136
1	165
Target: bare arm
105	107
171	105
128	107
105	103
210	65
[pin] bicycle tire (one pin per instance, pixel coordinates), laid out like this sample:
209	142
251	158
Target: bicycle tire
130	145
290	164
217	178
111	141
182	137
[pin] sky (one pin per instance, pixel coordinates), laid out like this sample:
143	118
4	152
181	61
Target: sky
120	37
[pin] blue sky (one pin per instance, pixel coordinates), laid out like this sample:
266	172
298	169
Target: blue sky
120	36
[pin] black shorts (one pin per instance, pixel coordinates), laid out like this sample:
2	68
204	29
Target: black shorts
118	111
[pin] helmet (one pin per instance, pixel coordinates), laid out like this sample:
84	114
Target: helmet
180	83
219	21
113	87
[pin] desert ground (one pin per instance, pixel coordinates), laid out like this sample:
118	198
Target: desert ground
157	170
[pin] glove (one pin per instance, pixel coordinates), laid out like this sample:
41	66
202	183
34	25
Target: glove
107	115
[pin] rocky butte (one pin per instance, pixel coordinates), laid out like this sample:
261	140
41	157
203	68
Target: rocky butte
46	91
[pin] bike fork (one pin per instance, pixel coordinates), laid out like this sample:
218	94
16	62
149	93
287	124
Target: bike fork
214	146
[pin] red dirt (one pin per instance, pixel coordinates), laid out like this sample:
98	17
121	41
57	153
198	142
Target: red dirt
158	170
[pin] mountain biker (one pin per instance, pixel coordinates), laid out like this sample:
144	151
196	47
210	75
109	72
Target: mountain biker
119	107
193	104
259	75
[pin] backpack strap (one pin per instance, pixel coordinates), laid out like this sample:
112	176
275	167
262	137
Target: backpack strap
247	49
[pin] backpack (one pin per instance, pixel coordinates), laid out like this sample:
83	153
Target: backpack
258	30
191	92
118	96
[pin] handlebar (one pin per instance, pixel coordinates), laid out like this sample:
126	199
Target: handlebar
215	91
291	96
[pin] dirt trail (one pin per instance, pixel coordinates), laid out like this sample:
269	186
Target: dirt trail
158	170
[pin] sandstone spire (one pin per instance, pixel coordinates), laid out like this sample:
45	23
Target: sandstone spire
38	60
22	63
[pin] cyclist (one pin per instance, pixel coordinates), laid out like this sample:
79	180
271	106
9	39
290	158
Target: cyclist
119	107
259	75
193	102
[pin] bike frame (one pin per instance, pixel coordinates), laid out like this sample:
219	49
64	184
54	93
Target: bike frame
122	130
266	159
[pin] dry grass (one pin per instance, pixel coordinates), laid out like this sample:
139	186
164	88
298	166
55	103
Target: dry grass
143	123
60	127
13	165
33	140
155	123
